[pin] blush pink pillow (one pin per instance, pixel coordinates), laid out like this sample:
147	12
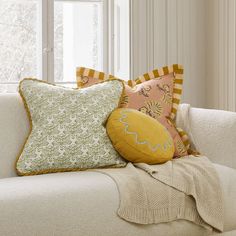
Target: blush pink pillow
156	94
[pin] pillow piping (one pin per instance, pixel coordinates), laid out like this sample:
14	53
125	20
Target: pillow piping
47	171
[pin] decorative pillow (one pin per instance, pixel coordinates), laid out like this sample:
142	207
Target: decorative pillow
139	138
67	127
156	94
87	77
185	139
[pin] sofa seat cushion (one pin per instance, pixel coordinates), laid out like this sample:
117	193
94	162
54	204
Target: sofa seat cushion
85	203
72	204
228	179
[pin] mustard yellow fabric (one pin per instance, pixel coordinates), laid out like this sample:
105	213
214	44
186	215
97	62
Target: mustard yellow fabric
138	137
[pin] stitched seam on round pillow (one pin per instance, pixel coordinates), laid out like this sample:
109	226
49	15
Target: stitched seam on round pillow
141	151
126	143
126	125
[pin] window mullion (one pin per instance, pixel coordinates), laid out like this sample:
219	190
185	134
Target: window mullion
106	30
50	19
110	35
44	41
47	14
48	47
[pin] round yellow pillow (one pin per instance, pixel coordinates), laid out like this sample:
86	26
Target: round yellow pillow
138	137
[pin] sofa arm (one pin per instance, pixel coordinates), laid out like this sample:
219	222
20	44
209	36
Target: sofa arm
212	132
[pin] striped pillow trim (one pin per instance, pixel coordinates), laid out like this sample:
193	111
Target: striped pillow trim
82	72
184	137
177	70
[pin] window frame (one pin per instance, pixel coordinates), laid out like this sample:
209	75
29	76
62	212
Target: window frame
46	40
47	50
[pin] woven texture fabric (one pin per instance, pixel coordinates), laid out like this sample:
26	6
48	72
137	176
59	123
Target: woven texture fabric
82	203
67	127
167	192
211	132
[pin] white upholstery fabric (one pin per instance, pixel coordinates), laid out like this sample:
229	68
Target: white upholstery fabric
228	184
14	128
72	204
213	133
85	203
207	126
230	233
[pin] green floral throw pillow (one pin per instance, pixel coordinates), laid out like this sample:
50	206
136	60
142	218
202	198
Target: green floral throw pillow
67	127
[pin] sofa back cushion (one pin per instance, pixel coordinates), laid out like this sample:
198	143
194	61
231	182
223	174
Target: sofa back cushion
14	128
212	132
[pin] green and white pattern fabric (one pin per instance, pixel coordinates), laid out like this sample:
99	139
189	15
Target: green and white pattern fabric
67	127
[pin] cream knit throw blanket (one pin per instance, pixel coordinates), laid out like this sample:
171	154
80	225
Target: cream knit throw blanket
186	188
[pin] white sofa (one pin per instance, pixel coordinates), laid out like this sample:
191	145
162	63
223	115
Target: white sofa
85	203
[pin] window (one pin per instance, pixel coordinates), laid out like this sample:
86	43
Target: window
18	41
48	39
78	37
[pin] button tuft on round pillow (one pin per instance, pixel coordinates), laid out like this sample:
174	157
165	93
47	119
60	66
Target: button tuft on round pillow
138	137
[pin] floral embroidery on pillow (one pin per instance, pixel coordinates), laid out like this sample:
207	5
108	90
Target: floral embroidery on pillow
152	108
85	79
145	91
167	96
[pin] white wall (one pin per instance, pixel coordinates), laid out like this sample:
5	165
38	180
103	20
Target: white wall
172	31
221	56
121	11
200	35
